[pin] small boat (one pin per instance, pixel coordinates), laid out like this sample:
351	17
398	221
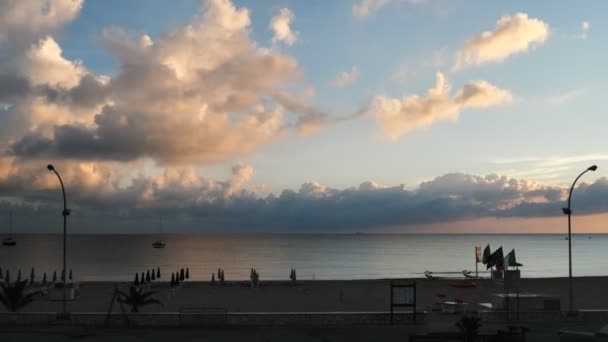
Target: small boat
10	240
159	243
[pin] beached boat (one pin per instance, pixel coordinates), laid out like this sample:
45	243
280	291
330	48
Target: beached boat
10	240
462	284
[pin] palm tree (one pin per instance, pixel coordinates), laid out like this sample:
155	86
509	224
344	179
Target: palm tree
15	296
137	298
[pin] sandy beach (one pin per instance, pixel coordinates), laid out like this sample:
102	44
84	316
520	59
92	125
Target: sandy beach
322	296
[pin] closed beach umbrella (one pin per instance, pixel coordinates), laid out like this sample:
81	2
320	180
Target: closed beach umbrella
143	278
32	276
148	279
212	278
63	275
172	279
44	278
136	282
19	275
182	276
54	276
187	273
7	277
70	276
158	272
153	276
1	273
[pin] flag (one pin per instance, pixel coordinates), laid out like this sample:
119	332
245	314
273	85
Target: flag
477	254
486	255
510	260
495	259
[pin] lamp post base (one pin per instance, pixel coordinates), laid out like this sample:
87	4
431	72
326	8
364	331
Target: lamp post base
572	313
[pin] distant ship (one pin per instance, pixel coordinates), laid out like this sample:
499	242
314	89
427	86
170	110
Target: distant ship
10	240
159	243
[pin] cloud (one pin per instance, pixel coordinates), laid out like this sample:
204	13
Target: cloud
25	21
401	116
565	97
345	78
512	35
401	74
366	8
241	174
99	190
558	169
280	25
203	93
585	26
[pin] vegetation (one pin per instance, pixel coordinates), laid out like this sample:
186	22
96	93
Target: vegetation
137	298
16	296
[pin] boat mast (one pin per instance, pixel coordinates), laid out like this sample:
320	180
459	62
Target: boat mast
10	223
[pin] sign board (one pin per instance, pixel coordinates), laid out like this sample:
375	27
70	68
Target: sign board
512	280
403	295
477	253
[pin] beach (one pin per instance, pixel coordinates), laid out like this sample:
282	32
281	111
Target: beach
307	296
323	296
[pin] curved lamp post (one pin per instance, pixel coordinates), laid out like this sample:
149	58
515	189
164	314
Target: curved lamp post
568	211
65	214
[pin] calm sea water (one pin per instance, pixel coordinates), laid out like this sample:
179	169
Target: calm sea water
119	257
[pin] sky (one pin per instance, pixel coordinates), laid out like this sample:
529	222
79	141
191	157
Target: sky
303	116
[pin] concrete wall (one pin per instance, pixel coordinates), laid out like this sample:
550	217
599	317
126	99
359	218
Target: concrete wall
176	319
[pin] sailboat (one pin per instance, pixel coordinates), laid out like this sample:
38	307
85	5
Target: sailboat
159	243
9	241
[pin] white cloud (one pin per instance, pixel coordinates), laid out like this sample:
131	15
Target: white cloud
280	25
366	8
512	35
23	22
565	97
43	63
400	74
401	116
345	78
241	174
585	26
203	93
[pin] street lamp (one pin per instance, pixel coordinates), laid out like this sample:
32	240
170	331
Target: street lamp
568	211
65	214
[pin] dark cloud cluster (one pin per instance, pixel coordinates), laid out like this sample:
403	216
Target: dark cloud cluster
199	204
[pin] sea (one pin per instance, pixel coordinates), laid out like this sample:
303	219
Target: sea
320	256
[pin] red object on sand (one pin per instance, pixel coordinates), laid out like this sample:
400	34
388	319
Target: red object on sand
462	284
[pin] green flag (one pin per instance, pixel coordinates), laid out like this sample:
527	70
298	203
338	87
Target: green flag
510	260
486	254
495	259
